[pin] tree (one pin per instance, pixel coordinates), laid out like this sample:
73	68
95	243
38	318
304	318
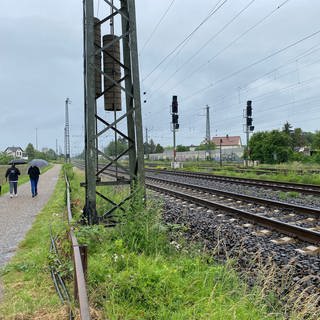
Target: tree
30	151
159	148
181	148
114	149
151	147
5	158
256	146
270	147
287	128
51	155
298	138
206	146
316	141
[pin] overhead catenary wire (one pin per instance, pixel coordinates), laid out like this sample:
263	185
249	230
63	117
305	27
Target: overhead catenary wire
287	87
253	64
156	27
213	11
234	41
194	71
302	55
271	80
206	43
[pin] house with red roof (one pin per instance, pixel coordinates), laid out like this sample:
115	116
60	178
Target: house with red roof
227	142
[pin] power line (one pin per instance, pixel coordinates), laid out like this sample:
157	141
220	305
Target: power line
230	44
233	41
207	42
213	11
252	64
156	27
298	57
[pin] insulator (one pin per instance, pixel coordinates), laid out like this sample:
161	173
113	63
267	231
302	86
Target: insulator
111	67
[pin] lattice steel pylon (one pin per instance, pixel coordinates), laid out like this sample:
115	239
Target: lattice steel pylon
119	71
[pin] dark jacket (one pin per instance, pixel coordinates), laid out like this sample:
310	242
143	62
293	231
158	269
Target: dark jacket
12	173
33	172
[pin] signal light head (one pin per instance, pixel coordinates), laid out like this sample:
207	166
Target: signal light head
175	118
174	104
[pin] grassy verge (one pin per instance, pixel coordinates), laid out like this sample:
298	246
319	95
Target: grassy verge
28	289
136	273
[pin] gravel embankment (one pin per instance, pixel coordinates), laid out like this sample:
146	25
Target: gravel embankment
228	237
300	199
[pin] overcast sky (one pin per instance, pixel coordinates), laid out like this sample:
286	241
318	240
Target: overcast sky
207	52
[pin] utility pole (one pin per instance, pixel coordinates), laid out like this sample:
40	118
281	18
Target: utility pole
120	73
208	136
220	152
67	132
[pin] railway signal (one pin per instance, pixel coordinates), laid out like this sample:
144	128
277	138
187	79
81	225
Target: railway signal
248	127
174	123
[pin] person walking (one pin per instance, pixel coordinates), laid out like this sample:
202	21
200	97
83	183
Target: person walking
34	173
13	174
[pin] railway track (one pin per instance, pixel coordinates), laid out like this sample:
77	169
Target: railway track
293	220
257	170
267	184
265	232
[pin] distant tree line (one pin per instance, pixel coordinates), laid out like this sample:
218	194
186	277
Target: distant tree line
32	153
278	146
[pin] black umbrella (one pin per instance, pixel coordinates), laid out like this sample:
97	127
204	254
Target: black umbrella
18	161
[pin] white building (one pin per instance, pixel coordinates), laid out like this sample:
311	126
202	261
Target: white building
16	152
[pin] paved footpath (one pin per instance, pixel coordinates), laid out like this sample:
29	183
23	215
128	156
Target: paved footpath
17	214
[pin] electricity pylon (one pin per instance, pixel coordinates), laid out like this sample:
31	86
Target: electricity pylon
119	75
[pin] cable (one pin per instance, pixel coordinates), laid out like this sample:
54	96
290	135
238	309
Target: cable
298	57
233	41
156	27
206	43
213	11
252	64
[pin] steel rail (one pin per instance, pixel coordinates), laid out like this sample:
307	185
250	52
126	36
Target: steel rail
285	228
79	270
303	209
275	185
58	282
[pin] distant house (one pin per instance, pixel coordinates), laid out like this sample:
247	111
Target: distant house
227	142
16	152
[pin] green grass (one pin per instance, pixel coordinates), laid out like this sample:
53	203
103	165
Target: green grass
27	283
135	272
